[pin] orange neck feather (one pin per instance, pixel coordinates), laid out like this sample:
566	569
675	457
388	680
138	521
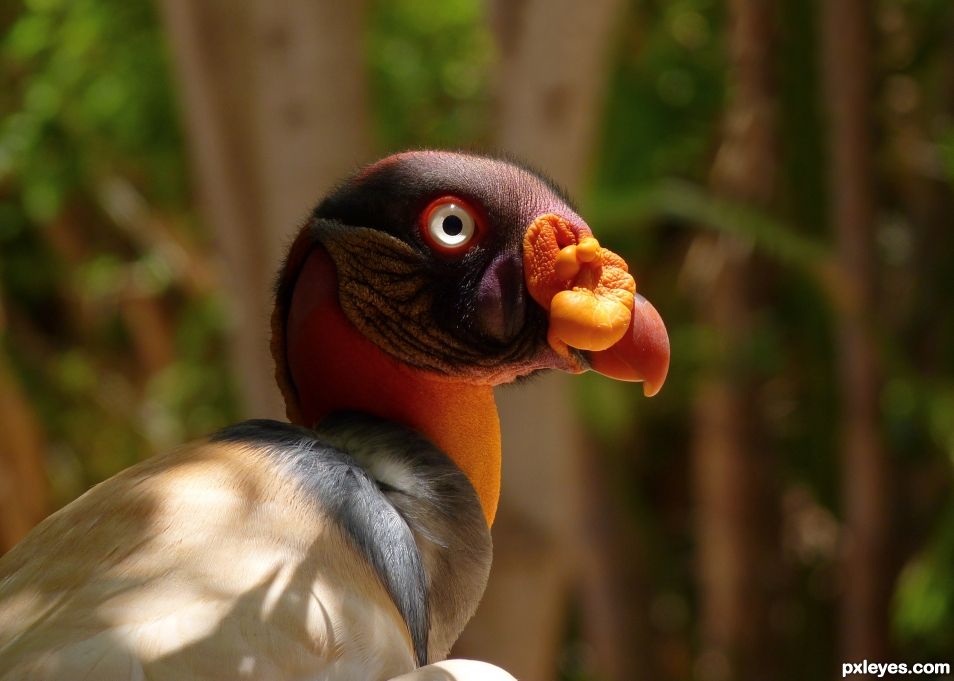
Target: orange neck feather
336	368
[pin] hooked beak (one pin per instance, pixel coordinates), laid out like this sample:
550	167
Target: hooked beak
592	303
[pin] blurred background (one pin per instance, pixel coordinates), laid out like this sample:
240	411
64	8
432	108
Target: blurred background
778	173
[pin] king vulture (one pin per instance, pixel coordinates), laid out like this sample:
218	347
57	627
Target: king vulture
352	543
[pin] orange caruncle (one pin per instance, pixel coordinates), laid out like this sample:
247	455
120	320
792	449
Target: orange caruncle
586	288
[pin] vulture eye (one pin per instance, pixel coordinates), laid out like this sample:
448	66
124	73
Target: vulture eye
449	225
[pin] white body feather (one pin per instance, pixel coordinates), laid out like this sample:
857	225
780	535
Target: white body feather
213	569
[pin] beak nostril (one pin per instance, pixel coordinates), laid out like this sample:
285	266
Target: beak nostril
565	238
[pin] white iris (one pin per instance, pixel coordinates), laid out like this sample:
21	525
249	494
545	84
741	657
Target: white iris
451	225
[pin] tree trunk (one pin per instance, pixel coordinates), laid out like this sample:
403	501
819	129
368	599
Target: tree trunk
550	89
731	473
24	491
274	101
866	494
552	79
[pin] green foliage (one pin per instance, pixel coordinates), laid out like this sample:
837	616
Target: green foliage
88	93
87	104
666	91
924	601
691	205
430	70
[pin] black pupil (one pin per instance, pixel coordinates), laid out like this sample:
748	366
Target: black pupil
452	225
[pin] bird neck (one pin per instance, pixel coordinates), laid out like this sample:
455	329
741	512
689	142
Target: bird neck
335	368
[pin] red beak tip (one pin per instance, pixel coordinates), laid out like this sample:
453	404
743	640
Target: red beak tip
642	355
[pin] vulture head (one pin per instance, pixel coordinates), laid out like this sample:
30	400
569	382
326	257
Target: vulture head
428	278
